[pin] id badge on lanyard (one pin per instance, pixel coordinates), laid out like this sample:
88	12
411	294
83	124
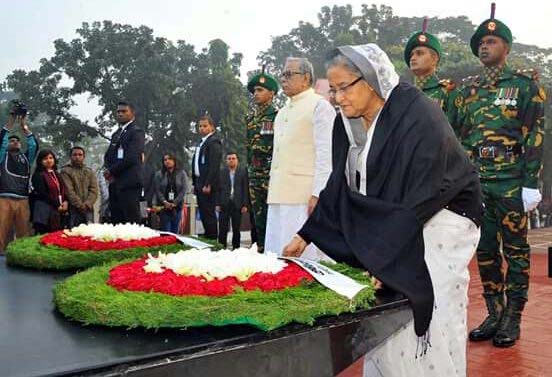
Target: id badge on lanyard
171	195
120	153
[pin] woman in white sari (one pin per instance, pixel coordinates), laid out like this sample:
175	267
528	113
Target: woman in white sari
403	202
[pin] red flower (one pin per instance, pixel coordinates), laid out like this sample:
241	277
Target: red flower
88	244
132	277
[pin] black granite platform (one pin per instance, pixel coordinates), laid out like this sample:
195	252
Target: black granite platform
35	340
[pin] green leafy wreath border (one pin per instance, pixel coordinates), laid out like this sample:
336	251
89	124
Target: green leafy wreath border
29	252
86	297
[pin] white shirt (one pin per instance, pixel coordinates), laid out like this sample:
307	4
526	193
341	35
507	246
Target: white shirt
323	120
124	127
196	154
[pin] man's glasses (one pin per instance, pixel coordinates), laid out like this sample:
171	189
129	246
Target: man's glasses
289	74
334	92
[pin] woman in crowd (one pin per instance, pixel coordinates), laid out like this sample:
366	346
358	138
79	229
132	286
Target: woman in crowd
170	188
48	201
403	202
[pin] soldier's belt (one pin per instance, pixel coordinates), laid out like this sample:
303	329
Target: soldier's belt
494	151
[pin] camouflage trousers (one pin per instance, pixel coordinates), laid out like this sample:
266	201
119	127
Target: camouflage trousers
258	191
504	222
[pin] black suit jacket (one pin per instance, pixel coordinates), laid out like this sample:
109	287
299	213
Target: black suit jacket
127	171
210	157
241	188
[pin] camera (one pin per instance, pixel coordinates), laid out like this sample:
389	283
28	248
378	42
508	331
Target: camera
18	108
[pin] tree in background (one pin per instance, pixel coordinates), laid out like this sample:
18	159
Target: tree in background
170	84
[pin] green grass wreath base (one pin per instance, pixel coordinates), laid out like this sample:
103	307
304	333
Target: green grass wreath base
86	297
29	252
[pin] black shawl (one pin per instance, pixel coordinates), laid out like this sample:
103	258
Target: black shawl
415	168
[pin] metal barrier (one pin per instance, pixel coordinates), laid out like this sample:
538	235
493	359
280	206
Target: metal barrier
188	223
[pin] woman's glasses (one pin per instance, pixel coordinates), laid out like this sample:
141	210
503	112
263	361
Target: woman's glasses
334	92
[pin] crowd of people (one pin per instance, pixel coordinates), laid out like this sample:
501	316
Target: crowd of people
383	175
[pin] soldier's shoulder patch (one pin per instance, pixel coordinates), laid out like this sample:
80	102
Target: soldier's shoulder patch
448	84
529	73
458	101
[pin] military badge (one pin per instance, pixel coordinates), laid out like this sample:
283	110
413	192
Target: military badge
491	26
262	80
422	38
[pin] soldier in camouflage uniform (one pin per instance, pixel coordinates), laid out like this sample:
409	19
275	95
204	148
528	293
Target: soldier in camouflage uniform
260	138
422	55
502	130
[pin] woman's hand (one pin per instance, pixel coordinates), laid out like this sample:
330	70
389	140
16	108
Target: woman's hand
377	284
296	247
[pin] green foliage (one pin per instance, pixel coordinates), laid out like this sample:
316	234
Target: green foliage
170	84
29	252
85	297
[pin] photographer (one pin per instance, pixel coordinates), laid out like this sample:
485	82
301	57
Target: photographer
15	167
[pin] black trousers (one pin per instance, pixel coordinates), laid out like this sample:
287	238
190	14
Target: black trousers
206	205
227	213
124	205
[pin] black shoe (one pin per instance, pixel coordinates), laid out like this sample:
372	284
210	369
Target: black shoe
508	331
489	327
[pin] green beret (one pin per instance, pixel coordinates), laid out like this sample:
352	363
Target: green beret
421	39
490	27
262	79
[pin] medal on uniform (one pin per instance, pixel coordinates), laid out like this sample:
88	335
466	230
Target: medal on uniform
515	96
267	128
508	96
500	94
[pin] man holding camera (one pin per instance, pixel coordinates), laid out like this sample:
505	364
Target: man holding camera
15	170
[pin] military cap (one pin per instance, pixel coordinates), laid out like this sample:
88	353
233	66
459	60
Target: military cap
491	26
421	39
262	79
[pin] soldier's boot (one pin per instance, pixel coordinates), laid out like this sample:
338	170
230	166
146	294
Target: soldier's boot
508	331
488	328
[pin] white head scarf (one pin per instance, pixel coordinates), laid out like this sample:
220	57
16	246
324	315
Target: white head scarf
375	66
379	72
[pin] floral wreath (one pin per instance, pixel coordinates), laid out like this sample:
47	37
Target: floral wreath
121	294
88	245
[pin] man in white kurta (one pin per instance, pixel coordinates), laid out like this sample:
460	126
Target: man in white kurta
301	162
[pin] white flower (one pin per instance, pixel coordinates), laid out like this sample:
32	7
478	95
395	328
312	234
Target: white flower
110	232
240	263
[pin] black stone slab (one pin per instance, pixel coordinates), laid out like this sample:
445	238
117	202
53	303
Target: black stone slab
35	340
